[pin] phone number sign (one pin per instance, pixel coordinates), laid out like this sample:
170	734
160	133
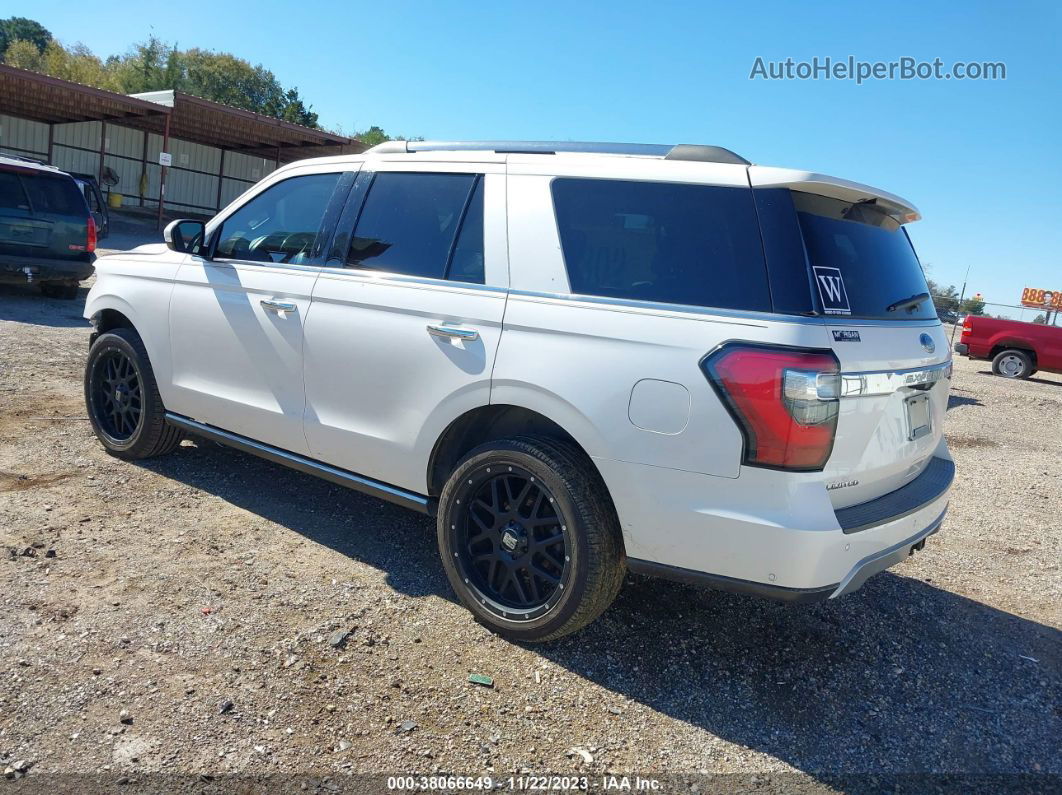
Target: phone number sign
1031	296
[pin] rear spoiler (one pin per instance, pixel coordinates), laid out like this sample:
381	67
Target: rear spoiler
770	177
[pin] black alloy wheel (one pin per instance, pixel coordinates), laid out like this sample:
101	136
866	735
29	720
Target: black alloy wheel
122	398
529	538
116	396
512	547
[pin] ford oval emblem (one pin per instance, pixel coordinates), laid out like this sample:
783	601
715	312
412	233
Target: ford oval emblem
927	343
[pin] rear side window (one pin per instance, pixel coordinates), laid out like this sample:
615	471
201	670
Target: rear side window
55	195
12	197
423	224
861	259
666	242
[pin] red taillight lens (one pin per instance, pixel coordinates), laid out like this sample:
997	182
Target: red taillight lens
90	243
784	401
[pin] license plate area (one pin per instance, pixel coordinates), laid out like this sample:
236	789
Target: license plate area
919	417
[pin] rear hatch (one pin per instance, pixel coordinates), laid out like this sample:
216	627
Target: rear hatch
867	284
42	214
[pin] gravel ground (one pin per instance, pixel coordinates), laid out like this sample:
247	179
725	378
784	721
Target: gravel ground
209	612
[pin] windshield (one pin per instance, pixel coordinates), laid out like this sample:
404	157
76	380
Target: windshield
862	260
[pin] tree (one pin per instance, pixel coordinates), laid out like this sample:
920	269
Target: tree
372	136
24	55
972	306
154	65
946	299
15	29
1040	318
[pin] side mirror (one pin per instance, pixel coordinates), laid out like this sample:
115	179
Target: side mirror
185	236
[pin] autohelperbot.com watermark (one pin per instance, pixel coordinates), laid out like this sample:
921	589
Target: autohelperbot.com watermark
851	68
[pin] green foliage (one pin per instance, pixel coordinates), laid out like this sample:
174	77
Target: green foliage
946	299
15	29
971	306
372	136
154	65
1040	318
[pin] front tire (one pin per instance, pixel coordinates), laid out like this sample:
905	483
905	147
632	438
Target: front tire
1013	363
529	538
123	400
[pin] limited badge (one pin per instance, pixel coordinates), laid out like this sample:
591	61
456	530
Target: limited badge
845	335
831	290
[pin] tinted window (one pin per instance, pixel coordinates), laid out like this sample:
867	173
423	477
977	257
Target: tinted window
870	253
55	195
666	242
466	265
410	221
281	224
12	197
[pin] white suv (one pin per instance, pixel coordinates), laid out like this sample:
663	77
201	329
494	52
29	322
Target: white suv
582	359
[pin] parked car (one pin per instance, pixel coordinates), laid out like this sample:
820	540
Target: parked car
96	203
581	359
947	316
1016	349
47	235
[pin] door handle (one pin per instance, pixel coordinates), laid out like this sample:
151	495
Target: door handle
454	333
273	305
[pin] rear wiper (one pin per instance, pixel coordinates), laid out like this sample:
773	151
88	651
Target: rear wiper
908	303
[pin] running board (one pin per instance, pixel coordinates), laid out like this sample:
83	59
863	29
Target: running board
374	488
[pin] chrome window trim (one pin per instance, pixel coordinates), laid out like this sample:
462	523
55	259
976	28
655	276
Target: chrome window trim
368	276
885	382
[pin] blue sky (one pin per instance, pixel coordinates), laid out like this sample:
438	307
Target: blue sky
981	159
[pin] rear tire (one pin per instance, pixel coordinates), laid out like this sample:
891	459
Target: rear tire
1013	363
529	538
123	400
62	290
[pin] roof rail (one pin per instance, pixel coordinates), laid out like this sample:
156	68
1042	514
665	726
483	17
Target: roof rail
693	152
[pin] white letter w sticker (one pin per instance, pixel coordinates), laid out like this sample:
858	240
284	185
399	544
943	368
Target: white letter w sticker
831	290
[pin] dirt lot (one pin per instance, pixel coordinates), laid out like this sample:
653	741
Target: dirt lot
202	593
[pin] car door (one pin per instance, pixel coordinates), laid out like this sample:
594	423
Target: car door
407	317
237	315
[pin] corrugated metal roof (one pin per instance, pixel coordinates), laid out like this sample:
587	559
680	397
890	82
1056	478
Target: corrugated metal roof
54	101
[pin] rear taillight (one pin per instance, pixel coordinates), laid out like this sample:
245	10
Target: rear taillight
90	243
784	401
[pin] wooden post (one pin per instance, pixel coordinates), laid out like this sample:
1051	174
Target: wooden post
142	187
221	180
162	175
103	149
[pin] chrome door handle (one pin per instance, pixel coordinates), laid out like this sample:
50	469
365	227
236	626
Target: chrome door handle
454	333
272	305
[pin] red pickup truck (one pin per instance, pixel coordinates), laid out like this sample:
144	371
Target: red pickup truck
1017	349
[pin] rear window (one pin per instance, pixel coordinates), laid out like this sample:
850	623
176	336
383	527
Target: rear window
54	195
861	259
664	242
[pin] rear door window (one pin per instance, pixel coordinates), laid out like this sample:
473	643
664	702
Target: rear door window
861	259
664	242
410	224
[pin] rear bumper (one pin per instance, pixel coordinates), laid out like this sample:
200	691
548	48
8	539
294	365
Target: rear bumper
962	348
752	535
859	573
15	269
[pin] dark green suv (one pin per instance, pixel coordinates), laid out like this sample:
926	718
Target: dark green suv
47	234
